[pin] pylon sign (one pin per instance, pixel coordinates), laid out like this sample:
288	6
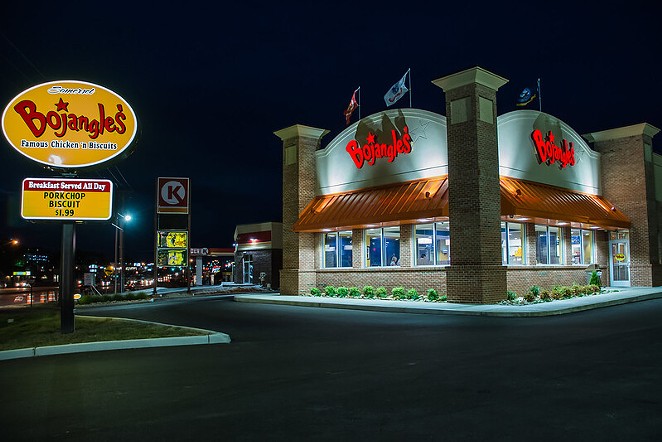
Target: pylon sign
173	195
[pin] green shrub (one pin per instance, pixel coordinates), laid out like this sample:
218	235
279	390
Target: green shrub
354	292
595	278
330	290
432	295
443	298
315	291
398	293
412	294
381	292
368	292
342	292
511	296
546	296
557	292
594	288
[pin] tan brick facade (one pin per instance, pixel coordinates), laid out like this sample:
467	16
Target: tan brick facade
629	183
299	146
476	274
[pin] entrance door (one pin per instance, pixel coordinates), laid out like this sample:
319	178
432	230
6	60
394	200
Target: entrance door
619	261
248	269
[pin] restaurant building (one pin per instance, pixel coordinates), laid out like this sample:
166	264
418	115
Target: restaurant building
472	204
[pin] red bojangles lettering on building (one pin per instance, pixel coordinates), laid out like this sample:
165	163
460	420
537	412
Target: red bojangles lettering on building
373	150
549	153
37	122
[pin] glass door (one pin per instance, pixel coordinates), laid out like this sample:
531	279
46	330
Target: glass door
248	269
619	261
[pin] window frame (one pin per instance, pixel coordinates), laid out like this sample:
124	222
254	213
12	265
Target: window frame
339	248
433	250
385	260
505	246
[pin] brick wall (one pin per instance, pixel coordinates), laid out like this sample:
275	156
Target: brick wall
520	279
299	146
628	183
388	277
474	201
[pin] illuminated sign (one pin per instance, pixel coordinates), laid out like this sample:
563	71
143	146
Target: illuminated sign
173	195
549	153
172	239
372	150
69	124
619	257
66	199
170	257
172	248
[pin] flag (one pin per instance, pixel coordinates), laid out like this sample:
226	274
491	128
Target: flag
525	97
353	104
397	91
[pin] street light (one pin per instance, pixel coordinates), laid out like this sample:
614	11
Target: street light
119	231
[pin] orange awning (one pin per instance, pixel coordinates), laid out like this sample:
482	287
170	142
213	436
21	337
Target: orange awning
402	203
427	199
521	198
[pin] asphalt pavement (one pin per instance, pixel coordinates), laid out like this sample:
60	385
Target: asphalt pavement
609	297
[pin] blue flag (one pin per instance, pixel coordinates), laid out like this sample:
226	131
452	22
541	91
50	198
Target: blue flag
397	91
525	97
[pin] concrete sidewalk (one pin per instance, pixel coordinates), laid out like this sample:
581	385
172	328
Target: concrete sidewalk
612	296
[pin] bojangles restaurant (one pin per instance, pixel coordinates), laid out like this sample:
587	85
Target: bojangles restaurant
472	204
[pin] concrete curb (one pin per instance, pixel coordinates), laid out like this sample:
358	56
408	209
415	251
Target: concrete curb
210	338
532	310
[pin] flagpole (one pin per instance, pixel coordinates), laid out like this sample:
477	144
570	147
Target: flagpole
359	91
539	97
409	72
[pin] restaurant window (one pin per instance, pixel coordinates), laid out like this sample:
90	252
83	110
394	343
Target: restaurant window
582	246
433	244
549	244
512	243
383	247
338	249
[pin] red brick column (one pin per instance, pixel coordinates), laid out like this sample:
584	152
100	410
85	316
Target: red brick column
299	146
628	182
476	274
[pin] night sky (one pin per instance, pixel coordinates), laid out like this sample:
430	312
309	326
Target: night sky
210	85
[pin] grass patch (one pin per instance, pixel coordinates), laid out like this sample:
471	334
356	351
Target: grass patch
39	326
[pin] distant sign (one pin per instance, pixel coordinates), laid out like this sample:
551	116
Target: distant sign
199	251
69	124
619	257
173	195
66	199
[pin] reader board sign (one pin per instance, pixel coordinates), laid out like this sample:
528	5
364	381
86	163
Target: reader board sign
66	199
69	124
173	195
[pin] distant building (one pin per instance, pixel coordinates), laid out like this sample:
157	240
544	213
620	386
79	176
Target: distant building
258	253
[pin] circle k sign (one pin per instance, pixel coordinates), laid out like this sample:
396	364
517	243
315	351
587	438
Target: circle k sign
173	195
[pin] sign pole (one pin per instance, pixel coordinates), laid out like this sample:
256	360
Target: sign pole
156	241
188	245
67	277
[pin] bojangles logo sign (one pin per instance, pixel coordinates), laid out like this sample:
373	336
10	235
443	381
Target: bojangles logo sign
549	153
373	149
69	124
